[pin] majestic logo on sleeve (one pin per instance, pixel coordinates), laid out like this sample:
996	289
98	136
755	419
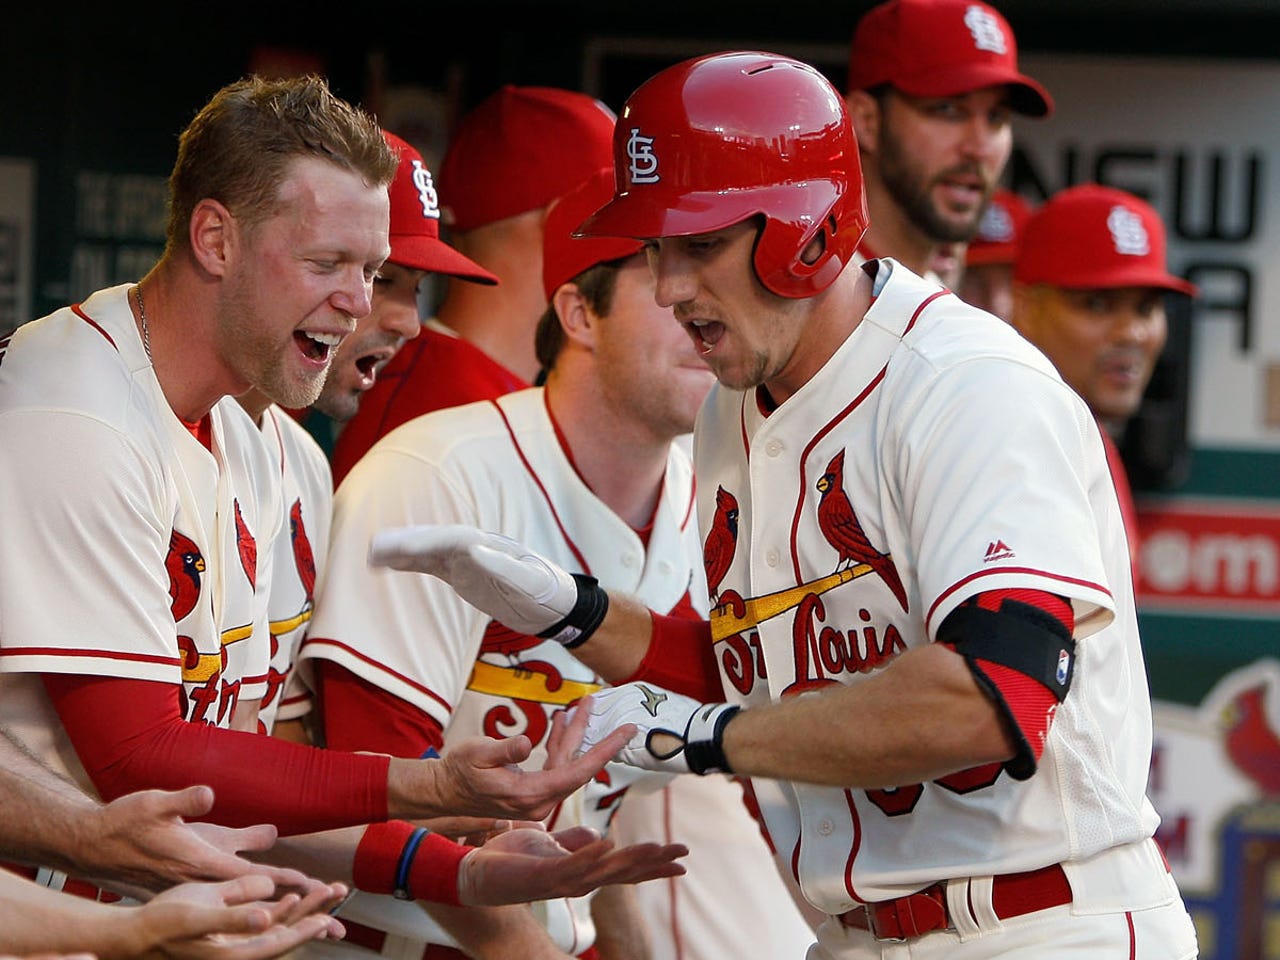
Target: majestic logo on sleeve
644	162
840	526
184	564
721	542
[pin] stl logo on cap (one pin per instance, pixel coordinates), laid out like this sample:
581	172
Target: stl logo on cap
996	225
1127	232
426	188
986	31
644	163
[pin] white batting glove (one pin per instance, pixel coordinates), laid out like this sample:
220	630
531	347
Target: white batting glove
675	733
499	577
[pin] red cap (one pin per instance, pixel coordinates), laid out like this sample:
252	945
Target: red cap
941	48
999	230
1091	237
415	221
564	256
520	149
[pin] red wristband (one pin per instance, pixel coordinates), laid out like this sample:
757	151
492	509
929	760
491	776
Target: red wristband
408	862
433	873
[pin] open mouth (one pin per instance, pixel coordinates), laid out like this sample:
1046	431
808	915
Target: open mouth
705	333
317	346
368	367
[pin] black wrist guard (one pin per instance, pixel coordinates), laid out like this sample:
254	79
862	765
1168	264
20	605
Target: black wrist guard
587	614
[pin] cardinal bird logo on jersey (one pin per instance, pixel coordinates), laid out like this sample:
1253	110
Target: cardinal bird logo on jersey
184	564
1251	743
722	540
839	524
247	548
303	557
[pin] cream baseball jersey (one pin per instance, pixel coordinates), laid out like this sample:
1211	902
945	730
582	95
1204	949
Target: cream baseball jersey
139	552
297	557
497	465
916	469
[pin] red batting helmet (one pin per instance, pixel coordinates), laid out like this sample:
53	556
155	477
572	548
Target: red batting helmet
715	140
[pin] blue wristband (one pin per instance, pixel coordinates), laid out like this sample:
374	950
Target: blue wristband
410	850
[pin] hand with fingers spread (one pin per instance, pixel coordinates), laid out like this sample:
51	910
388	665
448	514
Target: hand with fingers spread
479	776
141	843
233	920
530	864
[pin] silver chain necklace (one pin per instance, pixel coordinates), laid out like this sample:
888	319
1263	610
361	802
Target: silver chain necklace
146	333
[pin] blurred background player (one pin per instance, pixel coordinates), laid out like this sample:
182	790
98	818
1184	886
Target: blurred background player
932	86
512	155
987	278
1090	282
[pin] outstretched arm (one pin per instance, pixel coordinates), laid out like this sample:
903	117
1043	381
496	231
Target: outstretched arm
138	844
231	920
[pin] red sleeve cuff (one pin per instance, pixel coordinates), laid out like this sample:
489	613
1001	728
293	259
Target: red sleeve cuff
408	862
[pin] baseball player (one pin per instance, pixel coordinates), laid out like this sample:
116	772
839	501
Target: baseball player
932	87
303	544
923	630
133	588
1089	288
586	468
508	159
987	280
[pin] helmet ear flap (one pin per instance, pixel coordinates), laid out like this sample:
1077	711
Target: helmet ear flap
780	255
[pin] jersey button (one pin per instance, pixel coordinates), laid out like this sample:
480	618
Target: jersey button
773	448
628	560
772	557
826	827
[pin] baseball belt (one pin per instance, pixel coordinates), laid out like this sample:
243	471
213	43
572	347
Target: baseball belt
1012	895
56	880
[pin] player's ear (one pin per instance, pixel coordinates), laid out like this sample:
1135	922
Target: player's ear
212	235
576	319
864	112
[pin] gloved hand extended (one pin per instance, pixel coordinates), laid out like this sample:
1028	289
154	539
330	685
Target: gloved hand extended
500	577
675	733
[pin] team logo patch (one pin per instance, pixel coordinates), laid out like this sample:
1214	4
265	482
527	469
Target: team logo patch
644	162
985	29
1127	232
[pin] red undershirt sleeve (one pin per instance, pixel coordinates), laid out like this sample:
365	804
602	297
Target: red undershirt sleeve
357	715
130	735
681	658
394	857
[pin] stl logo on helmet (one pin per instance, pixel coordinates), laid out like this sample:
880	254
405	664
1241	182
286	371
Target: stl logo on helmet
1127	232
986	31
426	188
644	162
